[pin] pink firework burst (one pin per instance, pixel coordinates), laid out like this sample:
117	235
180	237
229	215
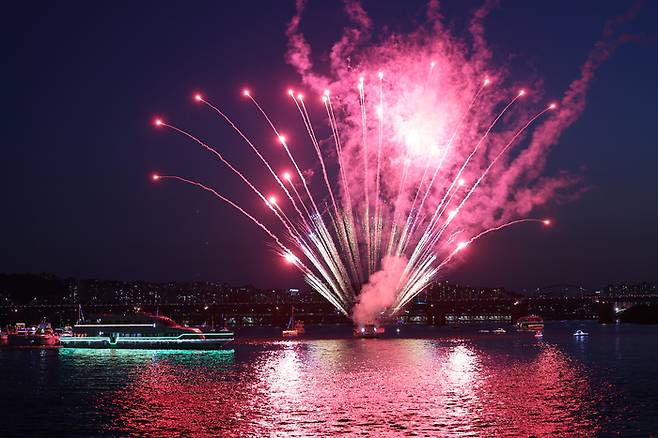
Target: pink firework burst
430	147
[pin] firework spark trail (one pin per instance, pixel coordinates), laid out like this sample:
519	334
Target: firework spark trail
308	273
493	162
399	193
441	161
380	117
335	263
218	155
331	262
309	127
463	244
437	234
427	234
348	219
200	98
270	203
232	204
340	224
322	247
366	209
276	132
284	220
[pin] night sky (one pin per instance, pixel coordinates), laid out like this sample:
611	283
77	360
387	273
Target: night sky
83	81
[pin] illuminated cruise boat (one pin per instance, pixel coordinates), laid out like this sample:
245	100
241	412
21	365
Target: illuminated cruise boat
531	323
143	331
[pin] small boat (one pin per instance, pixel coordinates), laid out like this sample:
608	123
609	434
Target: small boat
530	323
368	331
539	334
499	331
41	335
293	330
44	335
579	333
18	335
484	331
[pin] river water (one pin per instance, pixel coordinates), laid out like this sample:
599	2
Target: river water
420	382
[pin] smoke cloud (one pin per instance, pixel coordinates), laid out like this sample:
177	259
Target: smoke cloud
380	292
437	144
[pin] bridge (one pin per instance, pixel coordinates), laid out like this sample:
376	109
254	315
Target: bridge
432	312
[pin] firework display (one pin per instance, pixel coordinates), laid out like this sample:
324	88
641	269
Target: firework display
421	148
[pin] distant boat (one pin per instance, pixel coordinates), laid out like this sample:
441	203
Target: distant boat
530	323
499	331
41	335
368	331
539	334
579	333
484	331
295	328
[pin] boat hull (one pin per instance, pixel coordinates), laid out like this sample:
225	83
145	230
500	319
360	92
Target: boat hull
31	340
146	344
368	332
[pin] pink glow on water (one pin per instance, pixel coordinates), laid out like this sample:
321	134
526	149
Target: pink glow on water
436	387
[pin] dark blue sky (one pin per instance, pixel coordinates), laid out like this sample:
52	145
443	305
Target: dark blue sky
83	80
